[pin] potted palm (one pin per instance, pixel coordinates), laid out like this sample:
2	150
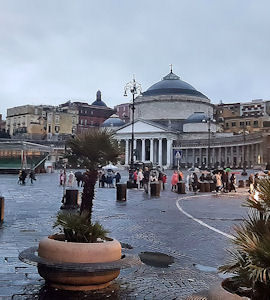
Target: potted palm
250	259
80	240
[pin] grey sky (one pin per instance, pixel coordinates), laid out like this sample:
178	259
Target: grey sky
53	51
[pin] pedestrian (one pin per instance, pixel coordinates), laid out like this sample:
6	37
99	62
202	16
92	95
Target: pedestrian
146	178
103	180
32	176
180	176
153	176
174	180
20	177
117	177
202	177
233	183
62	178
195	182
256	181
140	178
71	179
135	177
110	179
251	183
164	180
79	177
23	176
218	182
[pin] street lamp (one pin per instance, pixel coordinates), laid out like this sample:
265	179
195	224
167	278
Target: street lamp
208	120
244	173
135	89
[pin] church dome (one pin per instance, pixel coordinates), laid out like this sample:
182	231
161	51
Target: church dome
172	84
113	121
98	101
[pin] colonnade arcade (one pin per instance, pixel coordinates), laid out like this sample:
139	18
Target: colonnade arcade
160	151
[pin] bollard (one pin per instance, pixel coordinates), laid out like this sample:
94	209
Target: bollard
241	184
207	187
71	199
131	185
121	191
181	188
155	189
2	209
202	189
212	186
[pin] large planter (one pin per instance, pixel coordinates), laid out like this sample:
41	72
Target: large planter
220	292
61	252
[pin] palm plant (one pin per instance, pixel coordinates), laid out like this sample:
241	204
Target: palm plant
250	260
93	148
90	149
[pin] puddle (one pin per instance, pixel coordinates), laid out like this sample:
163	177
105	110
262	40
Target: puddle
156	259
212	270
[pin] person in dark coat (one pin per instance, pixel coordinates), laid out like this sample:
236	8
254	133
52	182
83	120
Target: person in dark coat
117	177
233	183
79	177
32	176
146	177
23	176
195	182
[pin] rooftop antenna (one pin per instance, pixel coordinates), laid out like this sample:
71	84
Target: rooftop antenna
171	67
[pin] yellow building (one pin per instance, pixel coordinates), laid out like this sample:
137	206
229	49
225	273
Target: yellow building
61	123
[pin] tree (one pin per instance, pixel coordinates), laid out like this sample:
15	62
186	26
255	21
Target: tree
93	148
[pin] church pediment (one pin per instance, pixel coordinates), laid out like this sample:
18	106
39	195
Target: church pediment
141	127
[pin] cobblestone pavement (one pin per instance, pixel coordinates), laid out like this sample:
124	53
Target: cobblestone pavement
145	223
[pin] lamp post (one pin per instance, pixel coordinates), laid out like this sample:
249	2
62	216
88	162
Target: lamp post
208	120
244	173
134	88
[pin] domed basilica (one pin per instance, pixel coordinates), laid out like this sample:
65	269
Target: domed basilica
171	117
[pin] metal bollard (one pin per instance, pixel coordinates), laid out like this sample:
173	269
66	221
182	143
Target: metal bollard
181	187
121	191
2	209
71	199
155	189
202	187
241	183
207	187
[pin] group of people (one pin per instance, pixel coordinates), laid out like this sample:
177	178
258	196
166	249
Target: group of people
142	178
23	175
109	178
224	181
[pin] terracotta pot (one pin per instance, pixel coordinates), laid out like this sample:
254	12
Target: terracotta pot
218	292
66	252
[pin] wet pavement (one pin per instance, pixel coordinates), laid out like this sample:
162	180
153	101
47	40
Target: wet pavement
190	252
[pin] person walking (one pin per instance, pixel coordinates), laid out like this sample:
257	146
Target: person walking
218	182
117	177
23	176
32	176
140	178
251	183
174	180
146	177
195	183
233	183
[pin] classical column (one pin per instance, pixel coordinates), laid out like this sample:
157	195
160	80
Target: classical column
261	153
193	157
160	152
152	150
143	150
135	147
126	153
226	155
200	156
237	155
219	155
169	149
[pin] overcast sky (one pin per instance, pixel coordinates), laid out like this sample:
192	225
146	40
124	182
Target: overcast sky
53	51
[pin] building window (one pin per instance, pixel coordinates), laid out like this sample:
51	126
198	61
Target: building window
73	120
92	112
233	124
81	121
57	119
227	125
242	124
57	129
255	123
85	122
49	129
248	123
